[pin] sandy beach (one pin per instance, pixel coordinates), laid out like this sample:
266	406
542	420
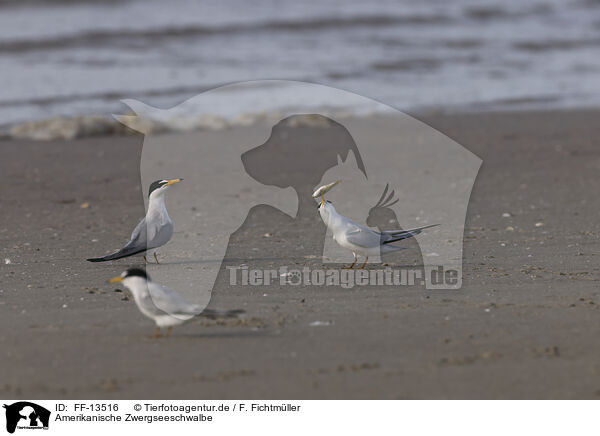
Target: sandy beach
523	325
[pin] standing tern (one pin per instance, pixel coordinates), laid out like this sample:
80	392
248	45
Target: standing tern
359	239
164	306
153	231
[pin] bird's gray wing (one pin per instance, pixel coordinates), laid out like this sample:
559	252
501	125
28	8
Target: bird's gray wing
139	236
363	237
159	235
170	301
152	236
390	236
139	229
212	313
137	244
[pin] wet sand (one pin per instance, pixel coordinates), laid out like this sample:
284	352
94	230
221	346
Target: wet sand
524	325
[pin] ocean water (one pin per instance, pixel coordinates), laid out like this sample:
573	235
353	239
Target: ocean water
68	57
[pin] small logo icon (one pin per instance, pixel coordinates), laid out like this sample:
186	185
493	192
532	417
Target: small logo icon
26	415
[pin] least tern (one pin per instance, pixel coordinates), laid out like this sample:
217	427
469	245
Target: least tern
164	306
359	239
153	231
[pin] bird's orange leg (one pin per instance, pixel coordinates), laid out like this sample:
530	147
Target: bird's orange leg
353	263
157	333
168	332
364	263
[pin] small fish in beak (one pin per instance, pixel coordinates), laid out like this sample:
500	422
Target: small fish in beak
322	190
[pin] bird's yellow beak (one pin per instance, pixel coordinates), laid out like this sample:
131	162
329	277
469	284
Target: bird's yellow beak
117	279
322	200
172	182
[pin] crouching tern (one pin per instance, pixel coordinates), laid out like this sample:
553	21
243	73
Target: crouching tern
164	306
153	231
359	239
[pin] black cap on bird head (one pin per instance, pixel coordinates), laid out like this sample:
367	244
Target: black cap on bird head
160	183
137	272
131	272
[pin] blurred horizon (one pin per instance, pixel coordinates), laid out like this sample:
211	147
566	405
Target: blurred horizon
67	57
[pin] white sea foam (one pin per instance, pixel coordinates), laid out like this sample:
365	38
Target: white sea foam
82	58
